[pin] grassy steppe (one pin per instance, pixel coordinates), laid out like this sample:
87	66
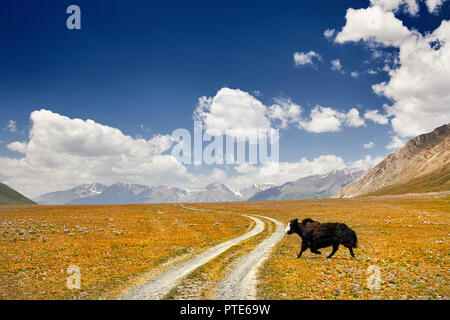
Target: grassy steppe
110	244
406	237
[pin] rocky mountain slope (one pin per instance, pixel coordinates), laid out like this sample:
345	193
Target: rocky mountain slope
422	165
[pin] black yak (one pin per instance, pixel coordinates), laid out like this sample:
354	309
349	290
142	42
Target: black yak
316	235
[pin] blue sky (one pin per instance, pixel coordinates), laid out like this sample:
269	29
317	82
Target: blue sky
142	67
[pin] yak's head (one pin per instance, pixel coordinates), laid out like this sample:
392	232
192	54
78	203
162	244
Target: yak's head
292	226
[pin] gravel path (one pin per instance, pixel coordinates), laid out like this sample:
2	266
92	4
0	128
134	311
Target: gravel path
160	285
241	283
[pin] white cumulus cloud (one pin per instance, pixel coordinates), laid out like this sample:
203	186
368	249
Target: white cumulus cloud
367	162
336	65
285	111
396	143
306	58
234	112
409	6
62	152
434	5
419	82
373	24
376	117
239	114
325	119
11	126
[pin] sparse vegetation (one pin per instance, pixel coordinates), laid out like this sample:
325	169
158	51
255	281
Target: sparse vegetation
110	244
202	283
406	237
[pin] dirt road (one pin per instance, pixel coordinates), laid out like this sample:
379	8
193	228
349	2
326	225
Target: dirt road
241	283
159	286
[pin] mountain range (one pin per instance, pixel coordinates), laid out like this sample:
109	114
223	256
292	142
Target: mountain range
311	187
422	165
126	193
320	186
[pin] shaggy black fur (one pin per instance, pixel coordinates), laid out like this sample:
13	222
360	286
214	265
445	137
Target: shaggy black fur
316	235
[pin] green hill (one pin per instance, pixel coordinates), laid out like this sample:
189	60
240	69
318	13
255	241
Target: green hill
9	196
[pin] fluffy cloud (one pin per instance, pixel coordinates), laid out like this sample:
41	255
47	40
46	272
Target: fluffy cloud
287	171
62	152
239	114
410	6
396	143
419	84
369	145
329	33
285	111
420	87
352	118
11	126
367	162
373	24
336	65
291	171
324	119
434	5
376	117
302	58
354	74
234	112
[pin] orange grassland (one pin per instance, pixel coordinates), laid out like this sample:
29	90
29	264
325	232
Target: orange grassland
406	238
110	245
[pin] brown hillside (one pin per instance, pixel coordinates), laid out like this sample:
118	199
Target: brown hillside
422	165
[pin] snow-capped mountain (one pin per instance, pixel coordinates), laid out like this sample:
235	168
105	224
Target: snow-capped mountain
84	191
120	193
128	193
251	190
311	187
318	186
214	192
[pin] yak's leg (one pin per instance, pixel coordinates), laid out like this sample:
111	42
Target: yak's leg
335	248
304	247
314	250
351	252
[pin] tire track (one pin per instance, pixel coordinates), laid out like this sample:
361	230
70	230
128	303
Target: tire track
241	283
160	285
